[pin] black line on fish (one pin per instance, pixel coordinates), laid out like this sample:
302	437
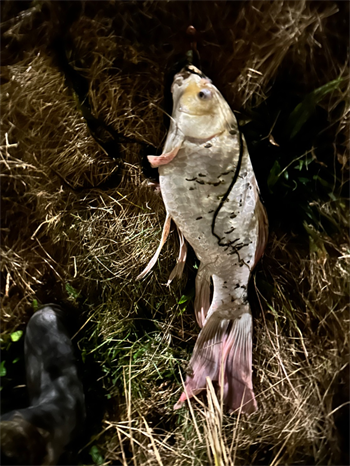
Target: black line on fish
208	145
235	248
234	179
230	231
201	174
217	183
230	244
225	173
199	218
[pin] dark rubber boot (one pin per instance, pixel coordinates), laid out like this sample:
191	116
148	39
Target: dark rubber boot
39	433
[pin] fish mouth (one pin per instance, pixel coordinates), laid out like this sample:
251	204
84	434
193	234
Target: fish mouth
179	79
193	70
186	73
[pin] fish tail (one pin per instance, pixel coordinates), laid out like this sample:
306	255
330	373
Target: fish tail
223	353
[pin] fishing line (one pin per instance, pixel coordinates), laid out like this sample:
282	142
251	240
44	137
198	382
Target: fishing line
234	179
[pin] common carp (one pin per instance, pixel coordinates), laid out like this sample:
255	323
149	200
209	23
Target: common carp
210	192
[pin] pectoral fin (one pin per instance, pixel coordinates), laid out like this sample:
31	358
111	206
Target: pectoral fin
158	160
165	233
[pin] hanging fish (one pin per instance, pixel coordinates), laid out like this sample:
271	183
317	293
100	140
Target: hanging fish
210	192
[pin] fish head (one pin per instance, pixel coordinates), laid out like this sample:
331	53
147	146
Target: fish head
199	109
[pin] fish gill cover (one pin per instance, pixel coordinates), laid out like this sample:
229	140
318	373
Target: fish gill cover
85	90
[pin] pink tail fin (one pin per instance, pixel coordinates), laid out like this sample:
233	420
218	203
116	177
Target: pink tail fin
224	344
237	352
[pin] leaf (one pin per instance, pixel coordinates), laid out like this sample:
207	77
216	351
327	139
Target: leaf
183	299
186	297
304	180
273	175
274	312
96	456
2	369
323	182
72	292
35	305
15	336
303	111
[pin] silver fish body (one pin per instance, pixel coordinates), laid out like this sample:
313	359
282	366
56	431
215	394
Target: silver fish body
223	236
210	192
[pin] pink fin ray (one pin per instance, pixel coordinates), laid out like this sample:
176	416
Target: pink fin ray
202	299
224	344
165	233
237	352
179	267
163	159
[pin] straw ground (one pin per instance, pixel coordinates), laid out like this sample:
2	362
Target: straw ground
84	97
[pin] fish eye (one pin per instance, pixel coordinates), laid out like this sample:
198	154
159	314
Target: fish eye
205	94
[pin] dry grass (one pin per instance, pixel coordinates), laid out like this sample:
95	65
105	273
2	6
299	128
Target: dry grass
74	214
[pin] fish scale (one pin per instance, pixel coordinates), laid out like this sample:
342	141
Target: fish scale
210	192
191	200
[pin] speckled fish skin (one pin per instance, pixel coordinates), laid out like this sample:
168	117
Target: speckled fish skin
210	191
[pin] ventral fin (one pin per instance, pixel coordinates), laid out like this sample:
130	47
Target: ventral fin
165	233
